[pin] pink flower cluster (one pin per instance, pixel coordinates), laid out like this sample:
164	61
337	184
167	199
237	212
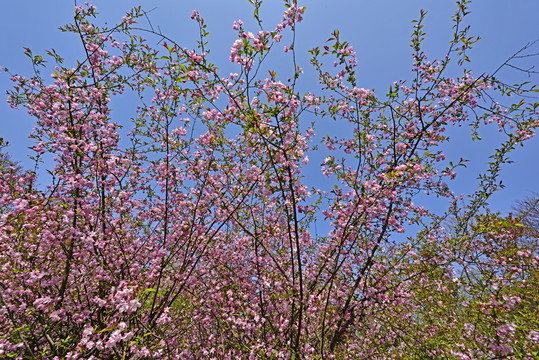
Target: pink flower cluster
224	225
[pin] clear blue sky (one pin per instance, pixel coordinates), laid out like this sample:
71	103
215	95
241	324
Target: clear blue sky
378	30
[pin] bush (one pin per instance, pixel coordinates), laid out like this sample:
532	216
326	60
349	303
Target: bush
194	235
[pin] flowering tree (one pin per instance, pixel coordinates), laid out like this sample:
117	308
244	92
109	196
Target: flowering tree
183	241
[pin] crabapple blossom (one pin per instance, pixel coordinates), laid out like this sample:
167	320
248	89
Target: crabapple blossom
208	230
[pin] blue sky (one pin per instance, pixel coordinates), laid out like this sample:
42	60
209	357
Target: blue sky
378	30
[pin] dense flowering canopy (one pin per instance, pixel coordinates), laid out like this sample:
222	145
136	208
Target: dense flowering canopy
194	236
